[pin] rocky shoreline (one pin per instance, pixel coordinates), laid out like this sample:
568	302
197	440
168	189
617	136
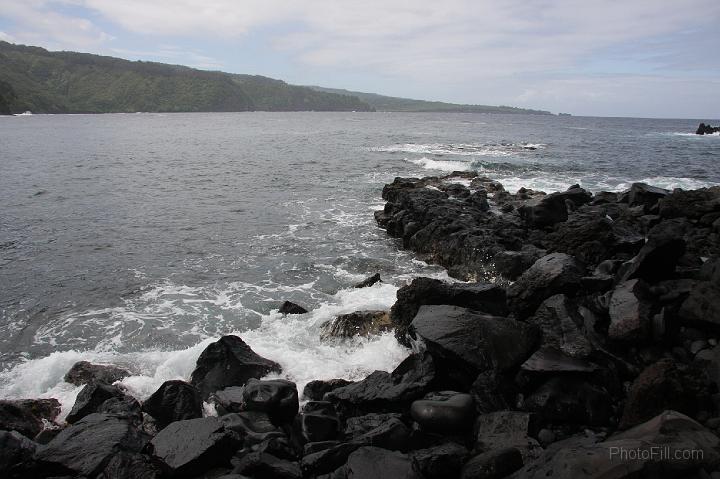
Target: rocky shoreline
584	346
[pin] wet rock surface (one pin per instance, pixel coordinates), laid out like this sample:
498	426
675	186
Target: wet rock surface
84	372
174	401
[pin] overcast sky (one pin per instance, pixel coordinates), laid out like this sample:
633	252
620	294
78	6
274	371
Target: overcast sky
650	58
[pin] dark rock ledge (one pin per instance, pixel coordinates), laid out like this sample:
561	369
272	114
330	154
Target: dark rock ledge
598	337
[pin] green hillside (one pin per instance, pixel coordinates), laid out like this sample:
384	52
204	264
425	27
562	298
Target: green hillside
32	78
391	103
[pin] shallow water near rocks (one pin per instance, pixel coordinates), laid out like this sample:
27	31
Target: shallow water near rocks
139	239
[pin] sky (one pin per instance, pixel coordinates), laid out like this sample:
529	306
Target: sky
641	58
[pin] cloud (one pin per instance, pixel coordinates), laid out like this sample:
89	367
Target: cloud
460	50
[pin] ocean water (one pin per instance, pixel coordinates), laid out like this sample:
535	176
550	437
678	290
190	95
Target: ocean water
139	239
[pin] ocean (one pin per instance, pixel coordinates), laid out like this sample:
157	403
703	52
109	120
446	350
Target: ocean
138	239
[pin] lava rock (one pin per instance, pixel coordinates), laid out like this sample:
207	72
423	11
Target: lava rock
86	447
131	465
26	415
315	390
464	343
192	446
488	298
503	429
446	412
291	308
84	372
174	401
559	319
659	257
630	312
276	397
386	392
570	400
16	455
356	427
126	407
548	360
359	323
91	398
551	209
702	306
319	421
642	194
376	462
261	465
229	362
665	385
670	432
255	427
440	462
367	282
228	400
328	460
392	434
511	264
494	464
553	274
704	129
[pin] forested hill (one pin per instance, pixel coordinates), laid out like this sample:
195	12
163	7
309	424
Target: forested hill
391	103
34	79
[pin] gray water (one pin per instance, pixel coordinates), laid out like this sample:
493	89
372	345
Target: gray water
139	238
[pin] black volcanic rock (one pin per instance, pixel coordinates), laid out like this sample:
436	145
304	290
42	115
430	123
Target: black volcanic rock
658	258
263	465
26	415
91	398
704	129
642	194
359	323
84	372
386	392
289	307
369	281
132	465
193	446
488	298
553	274
440	462
276	397
446	412
494	464
376	462
630	312
86	447
315	390
319	421
559	319
553	208
174	401
465	343
229	362
16	455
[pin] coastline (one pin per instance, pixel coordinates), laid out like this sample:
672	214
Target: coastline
609	323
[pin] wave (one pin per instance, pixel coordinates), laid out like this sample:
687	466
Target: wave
462	149
693	135
292	341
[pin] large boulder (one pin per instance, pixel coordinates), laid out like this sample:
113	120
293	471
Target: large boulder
440	462
669	445
630	312
229	362
494	464
446	412
91	398
193	446
26	415
702	306
263	465
358	426
553	208
556	273
359	323
16	455
504	429
315	390
465	343
132	465
659	257
570	400
386	392
561	323
174	401
664	385
277	397
289	307
84	372
255	427
488	298
367	462
642	194
86	447
319	421
228	400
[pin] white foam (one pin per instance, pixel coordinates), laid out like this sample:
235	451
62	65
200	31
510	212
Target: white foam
441	165
461	149
293	341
